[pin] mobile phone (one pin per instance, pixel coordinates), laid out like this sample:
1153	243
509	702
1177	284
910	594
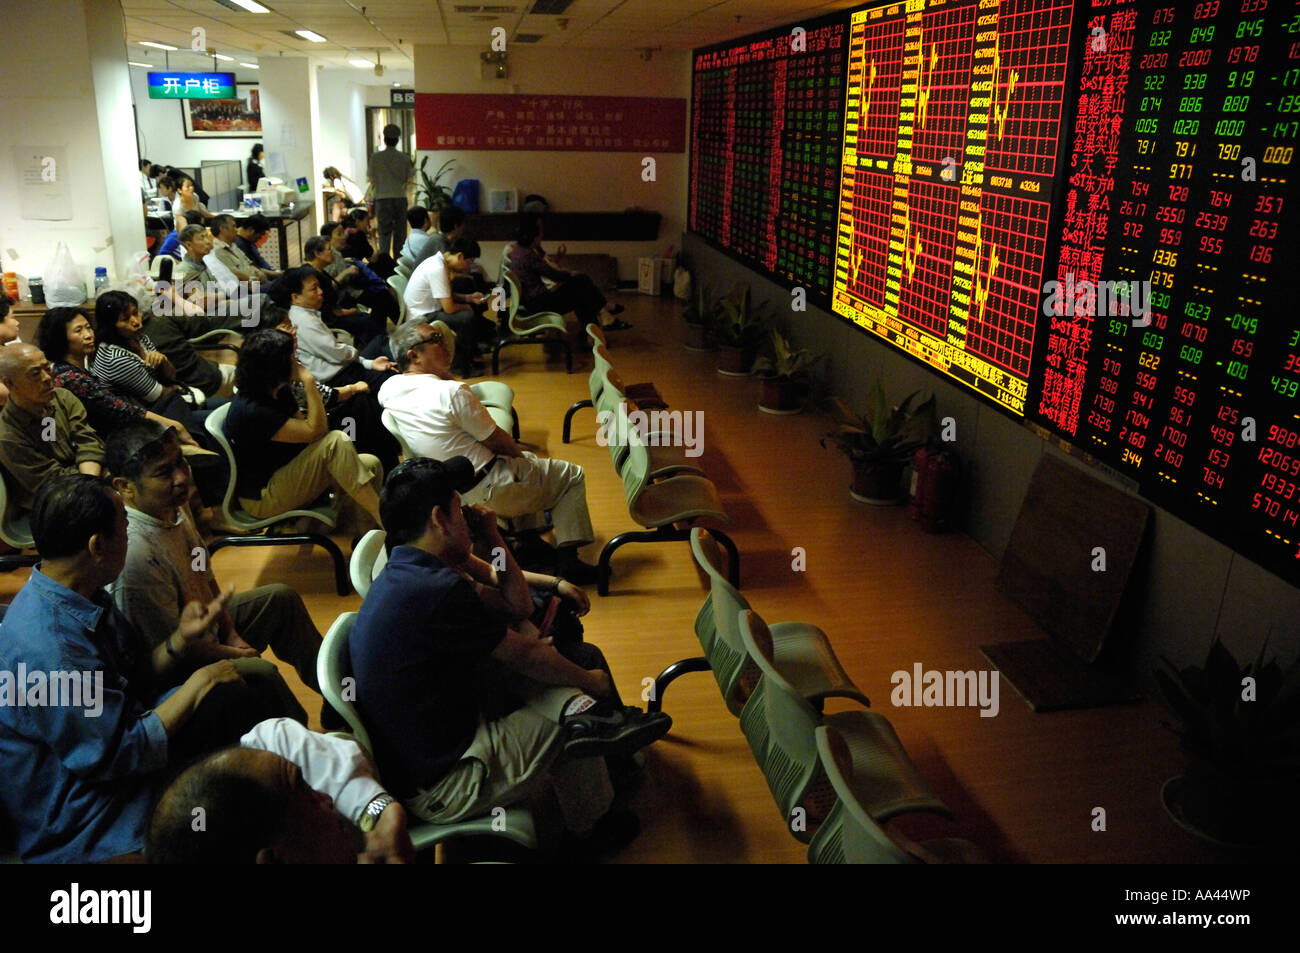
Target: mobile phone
552	608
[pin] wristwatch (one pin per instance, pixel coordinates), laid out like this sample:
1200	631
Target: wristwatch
370	816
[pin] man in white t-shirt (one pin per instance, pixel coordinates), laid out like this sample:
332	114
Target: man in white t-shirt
429	296
441	418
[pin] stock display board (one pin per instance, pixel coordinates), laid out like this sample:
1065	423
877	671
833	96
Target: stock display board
1181	174
765	145
952	135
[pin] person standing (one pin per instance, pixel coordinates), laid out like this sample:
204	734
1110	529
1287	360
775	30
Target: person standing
254	166
390	173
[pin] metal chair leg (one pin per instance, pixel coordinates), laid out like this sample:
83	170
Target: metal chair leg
670	675
342	582
568	416
662	534
733	556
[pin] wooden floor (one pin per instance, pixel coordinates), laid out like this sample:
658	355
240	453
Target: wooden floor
1024	787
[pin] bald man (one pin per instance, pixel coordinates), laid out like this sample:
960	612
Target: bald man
43	429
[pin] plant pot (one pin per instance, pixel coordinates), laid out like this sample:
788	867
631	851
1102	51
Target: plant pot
698	337
735	361
877	483
1224	813
780	396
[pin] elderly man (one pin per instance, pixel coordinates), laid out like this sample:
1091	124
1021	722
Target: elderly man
226	250
286	795
441	418
330	361
437	739
43	428
79	774
161	576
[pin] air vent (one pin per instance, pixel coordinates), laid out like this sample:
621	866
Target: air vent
480	8
550	8
527	37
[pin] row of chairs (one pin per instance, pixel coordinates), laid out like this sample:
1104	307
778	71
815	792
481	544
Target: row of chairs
665	492
835	778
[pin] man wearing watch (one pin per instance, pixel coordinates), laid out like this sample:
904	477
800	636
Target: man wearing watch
286	795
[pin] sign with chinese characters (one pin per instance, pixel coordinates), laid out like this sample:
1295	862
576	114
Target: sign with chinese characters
550	123
401	98
191	85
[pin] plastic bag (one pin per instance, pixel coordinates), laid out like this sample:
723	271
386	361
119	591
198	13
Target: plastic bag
465	196
137	281
681	284
65	284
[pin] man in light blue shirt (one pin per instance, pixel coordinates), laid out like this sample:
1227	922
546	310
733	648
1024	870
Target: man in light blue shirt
420	221
82	741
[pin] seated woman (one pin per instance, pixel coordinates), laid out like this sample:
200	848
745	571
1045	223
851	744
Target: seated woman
352	408
573	292
67	338
166	189
287	458
126	359
187	201
365	284
335	193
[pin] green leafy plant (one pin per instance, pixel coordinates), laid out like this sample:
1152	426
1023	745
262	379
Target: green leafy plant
700	309
782	360
884	434
1243	756
431	193
738	323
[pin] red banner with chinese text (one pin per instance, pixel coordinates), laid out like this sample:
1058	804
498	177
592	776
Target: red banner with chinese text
550	123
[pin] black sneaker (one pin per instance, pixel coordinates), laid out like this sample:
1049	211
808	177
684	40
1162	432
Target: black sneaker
607	731
577	572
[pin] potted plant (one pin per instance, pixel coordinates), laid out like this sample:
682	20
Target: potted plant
783	375
699	317
881	442
739	330
431	193
1243	756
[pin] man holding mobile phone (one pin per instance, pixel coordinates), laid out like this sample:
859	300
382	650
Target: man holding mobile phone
439	746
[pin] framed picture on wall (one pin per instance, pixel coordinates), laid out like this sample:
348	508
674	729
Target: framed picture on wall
224	118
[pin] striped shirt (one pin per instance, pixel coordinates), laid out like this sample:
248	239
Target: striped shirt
127	372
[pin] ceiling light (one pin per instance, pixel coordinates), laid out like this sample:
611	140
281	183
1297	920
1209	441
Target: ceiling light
150	65
309	35
397	84
157	46
252	6
361	62
250	65
223	56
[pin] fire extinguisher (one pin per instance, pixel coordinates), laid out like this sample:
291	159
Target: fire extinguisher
935	479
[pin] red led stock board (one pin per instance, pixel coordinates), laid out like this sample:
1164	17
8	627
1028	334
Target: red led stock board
765	145
1181	179
952	136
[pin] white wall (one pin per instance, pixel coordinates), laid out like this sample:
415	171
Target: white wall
571	181
291	119
343	124
160	133
49	75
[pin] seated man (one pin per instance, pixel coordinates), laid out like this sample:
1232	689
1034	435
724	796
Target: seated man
441	418
249	232
171	245
43	428
226	251
329	361
430	296
573	292
452	223
278	799
452	620
161	575
8	334
79	775
421	223
336	313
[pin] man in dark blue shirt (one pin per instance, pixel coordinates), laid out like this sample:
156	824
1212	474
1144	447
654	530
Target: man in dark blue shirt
84	733
433	633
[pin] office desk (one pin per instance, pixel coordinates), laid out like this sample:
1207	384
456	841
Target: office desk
290	228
